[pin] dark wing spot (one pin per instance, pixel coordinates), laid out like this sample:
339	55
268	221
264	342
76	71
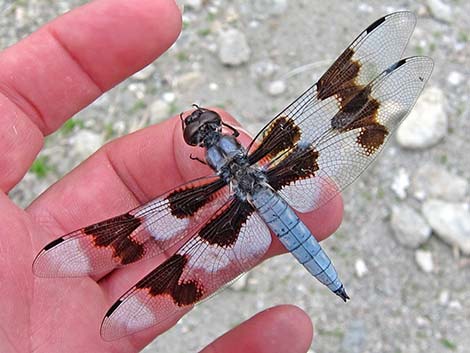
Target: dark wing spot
165	280
351	112
282	134
372	137
396	65
223	229
113	307
361	113
187	293
186	202
339	79
376	24
53	243
115	233
300	163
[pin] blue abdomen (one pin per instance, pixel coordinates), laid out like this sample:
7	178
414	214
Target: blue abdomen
297	238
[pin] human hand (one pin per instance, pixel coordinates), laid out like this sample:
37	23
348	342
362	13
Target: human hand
45	79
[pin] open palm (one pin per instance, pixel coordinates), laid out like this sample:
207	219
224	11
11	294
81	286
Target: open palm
44	80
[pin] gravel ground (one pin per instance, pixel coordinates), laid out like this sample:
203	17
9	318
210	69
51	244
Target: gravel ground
407	276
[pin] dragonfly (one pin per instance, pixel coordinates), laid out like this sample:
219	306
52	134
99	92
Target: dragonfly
299	161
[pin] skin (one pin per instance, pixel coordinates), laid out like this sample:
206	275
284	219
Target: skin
45	79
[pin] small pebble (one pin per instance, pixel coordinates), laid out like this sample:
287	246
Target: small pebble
455	304
233	47
361	268
424	260
421	321
450	221
444	297
435	181
400	184
427	123
169	97
440	10
276	88
455	78
409	227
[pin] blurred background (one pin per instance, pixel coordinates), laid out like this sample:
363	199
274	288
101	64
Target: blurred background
403	250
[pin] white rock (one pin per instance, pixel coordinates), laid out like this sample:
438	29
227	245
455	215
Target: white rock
400	184
86	142
365	8
440	10
444	297
455	304
427	123
159	110
233	47
138	89
361	268
119	127
231	15
424	260
254	24
213	86
434	181
409	227
450	221
211	46
276	88
145	73
422	321
169	97
455	78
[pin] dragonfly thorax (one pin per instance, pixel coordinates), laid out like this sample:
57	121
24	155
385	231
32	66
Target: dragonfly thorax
244	179
228	158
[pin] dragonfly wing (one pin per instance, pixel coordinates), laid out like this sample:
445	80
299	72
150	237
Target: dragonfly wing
138	234
318	167
234	240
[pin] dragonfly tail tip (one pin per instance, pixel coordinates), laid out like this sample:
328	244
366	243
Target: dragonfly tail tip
341	292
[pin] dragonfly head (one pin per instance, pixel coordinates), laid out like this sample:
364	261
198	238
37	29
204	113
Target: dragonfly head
200	125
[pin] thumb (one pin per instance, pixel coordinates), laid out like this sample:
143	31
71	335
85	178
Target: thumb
284	328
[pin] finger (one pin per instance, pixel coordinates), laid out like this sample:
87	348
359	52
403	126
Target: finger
83	53
68	63
280	329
